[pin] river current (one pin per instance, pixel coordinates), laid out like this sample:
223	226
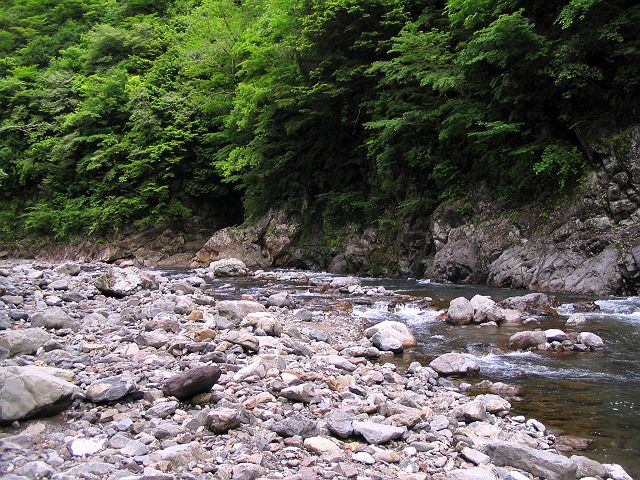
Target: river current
591	395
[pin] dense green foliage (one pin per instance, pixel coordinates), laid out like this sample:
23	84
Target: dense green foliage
120	113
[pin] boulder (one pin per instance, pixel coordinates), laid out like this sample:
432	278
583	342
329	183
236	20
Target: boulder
387	343
25	341
340	423
460	312
55	318
244	339
486	310
323	446
527	339
494	403
122	282
282	299
31	391
305	392
344	282
536	303
188	383
591	340
397	330
238	309
455	364
295	424
541	463
228	267
588	467
69	269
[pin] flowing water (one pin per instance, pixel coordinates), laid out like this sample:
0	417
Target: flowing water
591	395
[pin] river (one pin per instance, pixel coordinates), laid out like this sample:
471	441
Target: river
591	395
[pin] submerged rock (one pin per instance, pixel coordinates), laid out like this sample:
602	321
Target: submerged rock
527	339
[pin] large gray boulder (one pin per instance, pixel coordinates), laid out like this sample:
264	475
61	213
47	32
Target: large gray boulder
455	364
591	340
31	391
527	339
535	303
228	267
25	341
486	310
540	463
460	312
395	330
122	282
54	317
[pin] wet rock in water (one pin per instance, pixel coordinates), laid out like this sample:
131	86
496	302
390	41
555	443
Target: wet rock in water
25	341
591	340
536	303
455	364
238	309
295	425
228	267
540	463
122	282
188	383
386	343
527	339
397	330
474	473
486	310
110	389
576	319
32	391
460	312
221	420
377	433
55	318
556	335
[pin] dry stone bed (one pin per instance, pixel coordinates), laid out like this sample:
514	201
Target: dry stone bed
153	377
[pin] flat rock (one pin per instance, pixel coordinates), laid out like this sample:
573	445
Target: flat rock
295	425
323	446
377	433
245	339
25	341
540	463
85	446
555	335
474	473
110	389
54	317
305	392
31	391
238	309
188	383
455	364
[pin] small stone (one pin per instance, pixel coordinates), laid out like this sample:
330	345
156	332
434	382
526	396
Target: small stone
474	456
377	433
85	446
323	446
363	457
221	420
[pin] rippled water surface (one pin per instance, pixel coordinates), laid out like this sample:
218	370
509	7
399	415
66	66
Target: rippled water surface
593	395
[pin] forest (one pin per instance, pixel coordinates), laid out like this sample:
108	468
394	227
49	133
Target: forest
131	114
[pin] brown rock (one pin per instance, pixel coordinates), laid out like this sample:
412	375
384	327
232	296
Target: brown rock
191	382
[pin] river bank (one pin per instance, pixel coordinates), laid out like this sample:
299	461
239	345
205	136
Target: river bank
295	387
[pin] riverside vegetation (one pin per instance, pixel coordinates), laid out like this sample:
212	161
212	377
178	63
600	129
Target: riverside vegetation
127	114
162	375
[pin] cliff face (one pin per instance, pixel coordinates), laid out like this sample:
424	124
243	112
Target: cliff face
589	243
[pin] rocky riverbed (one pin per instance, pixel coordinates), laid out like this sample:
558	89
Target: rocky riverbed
116	373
